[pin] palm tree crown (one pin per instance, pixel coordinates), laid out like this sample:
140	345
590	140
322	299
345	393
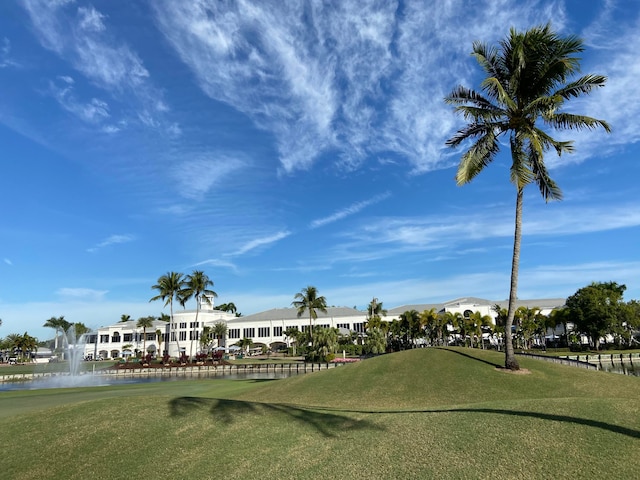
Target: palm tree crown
308	299
197	286
169	287
526	85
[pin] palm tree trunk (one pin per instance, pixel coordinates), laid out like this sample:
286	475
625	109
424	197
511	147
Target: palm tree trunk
191	341
510	361
174	330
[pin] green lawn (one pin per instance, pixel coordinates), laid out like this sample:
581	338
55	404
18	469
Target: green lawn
426	413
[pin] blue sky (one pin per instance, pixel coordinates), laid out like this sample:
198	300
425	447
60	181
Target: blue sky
276	145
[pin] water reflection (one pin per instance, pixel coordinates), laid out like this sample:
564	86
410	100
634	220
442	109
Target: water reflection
113	380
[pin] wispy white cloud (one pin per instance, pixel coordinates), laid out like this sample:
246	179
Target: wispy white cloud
386	237
94	111
84	294
5	54
348	211
112	240
8	262
80	35
360	78
196	177
214	262
260	242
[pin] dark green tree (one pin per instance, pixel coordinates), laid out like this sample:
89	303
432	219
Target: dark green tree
597	310
523	94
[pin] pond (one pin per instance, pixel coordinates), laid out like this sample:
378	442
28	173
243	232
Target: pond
88	380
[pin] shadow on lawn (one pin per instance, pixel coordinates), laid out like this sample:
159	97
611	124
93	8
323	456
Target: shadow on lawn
556	418
630	432
226	411
497	365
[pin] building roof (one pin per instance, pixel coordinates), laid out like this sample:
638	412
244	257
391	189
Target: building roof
543	303
292	314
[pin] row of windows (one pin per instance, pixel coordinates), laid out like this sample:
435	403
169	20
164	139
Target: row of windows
233	333
127	337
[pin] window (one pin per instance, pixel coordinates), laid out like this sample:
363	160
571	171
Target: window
234	333
183	324
324	326
116	337
92	338
194	324
183	336
358	327
151	336
173	336
194	335
294	327
305	328
104	338
263	331
128	337
249	332
277	331
343	325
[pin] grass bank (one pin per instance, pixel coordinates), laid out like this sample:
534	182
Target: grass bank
428	413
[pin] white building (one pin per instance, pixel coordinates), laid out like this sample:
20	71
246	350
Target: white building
182	336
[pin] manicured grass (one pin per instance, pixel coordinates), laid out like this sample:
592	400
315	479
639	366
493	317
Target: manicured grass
427	413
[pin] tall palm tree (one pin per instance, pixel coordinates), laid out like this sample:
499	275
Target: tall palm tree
144	323
196	285
159	340
526	86
206	339
308	299
169	287
375	312
478	323
124	318
59	324
220	330
292	333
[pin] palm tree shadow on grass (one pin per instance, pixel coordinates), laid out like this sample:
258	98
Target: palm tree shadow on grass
630	432
227	411
497	365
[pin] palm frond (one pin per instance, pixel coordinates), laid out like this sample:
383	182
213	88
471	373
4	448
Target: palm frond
520	173
548	142
472	130
548	188
582	85
569	121
462	95
477	158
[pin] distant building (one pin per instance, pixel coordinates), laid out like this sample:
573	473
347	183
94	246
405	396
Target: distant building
266	328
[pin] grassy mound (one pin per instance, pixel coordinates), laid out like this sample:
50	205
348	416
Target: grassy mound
434	378
429	413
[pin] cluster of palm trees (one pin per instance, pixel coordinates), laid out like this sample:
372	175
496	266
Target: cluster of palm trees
21	345
428	327
175	286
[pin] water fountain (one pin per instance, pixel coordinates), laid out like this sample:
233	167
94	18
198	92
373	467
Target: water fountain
72	351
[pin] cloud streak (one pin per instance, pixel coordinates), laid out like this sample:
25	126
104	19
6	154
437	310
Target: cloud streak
260	243
348	211
112	240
